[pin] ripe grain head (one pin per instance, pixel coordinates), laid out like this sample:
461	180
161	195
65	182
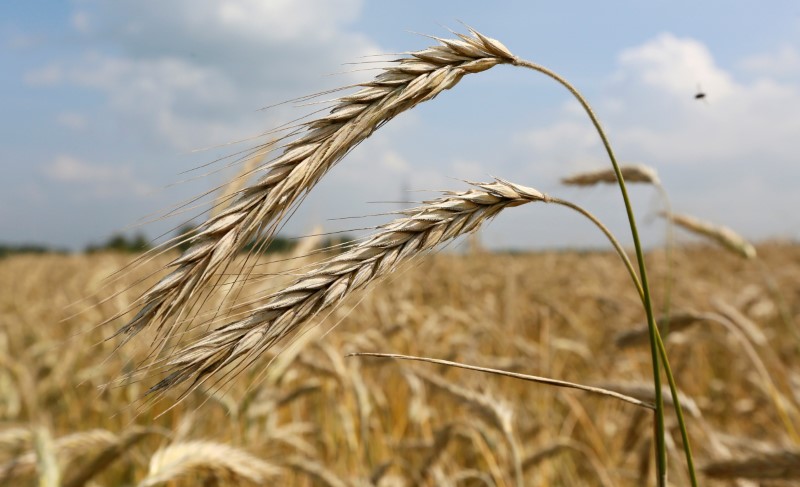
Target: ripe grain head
718	233
309	151
777	465
632	173
282	313
207	460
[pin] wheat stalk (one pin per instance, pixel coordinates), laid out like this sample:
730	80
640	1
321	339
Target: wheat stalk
531	378
311	150
282	313
644	392
631	173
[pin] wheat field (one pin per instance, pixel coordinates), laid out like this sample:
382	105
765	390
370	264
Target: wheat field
313	416
233	366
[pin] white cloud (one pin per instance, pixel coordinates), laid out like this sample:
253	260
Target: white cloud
785	61
753	121
394	162
101	181
676	66
178	101
193	74
283	19
305	21
732	158
571	144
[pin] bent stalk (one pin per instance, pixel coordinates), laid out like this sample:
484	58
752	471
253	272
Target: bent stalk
673	386
656	346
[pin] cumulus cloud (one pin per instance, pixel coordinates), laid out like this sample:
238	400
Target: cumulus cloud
741	120
783	62
193	74
144	23
101	181
181	102
729	158
570	144
394	162
671	65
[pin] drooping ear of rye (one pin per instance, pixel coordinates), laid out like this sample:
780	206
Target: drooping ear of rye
282	313
309	152
632	173
718	233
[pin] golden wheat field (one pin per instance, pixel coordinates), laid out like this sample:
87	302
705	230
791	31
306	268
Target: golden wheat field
315	417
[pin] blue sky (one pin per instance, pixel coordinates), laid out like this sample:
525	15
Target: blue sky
104	104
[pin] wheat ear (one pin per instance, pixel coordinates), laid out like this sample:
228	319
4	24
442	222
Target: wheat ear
776	465
66	449
216	461
718	233
674	322
632	173
310	150
419	230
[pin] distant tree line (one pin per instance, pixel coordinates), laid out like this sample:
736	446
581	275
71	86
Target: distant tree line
277	244
121	243
138	242
12	249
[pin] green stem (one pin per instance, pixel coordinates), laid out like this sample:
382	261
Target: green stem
661	450
673	387
614	242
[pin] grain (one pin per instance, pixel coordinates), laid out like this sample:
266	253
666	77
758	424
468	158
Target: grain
631	173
